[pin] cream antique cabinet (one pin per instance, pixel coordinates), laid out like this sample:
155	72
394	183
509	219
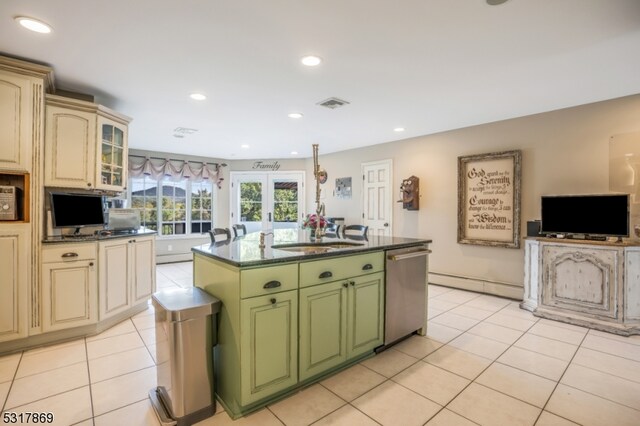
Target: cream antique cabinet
111	157
86	145
126	273
22	89
14	281
588	283
69	286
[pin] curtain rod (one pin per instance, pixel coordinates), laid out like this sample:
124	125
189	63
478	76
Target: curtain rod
173	159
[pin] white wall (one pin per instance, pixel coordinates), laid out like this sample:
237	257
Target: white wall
564	151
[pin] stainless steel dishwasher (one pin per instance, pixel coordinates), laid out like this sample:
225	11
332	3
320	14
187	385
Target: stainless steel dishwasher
406	293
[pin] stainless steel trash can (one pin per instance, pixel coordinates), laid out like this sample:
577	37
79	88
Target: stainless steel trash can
185	335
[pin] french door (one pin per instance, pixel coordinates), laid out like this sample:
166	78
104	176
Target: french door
270	200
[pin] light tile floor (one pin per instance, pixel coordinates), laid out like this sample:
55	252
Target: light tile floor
484	361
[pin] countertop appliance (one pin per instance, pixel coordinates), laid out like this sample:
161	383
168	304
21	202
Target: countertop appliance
406	293
10	198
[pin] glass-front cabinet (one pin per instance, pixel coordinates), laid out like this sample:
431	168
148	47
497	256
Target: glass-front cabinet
85	145
112	155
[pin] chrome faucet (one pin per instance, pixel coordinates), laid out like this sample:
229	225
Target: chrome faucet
262	235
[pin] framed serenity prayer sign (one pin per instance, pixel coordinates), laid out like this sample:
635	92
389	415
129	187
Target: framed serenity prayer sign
489	199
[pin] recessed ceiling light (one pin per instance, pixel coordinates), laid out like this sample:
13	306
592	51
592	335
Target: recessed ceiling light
198	96
244	146
294	152
399	129
33	24
311	61
295	115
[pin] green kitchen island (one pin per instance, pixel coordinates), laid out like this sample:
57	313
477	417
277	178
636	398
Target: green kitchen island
293	311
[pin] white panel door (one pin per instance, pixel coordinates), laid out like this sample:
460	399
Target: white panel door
376	197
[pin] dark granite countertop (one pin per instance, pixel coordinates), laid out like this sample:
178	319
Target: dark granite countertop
142	232
244	251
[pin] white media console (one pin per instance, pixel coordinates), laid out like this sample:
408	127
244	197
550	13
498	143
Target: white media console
589	283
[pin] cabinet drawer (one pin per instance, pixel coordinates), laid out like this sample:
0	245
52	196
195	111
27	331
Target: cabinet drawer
273	279
338	268
68	252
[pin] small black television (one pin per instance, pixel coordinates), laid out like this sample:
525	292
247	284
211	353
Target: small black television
601	215
76	210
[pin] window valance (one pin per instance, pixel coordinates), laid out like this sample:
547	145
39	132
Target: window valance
158	168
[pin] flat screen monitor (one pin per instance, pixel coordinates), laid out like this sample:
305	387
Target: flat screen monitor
591	215
76	210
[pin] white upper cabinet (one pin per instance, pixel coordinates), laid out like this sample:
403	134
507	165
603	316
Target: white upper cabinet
86	145
15	121
70	142
111	166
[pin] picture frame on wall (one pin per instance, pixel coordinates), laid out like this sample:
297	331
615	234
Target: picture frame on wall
489	199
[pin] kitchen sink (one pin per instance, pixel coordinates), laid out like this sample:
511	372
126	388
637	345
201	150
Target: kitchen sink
320	247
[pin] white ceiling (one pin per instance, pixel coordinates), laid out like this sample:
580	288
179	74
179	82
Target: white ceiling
426	65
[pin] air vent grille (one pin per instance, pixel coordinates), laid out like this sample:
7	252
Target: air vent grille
181	132
333	103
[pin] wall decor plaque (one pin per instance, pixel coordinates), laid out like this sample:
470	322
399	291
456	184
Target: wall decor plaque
489	199
343	188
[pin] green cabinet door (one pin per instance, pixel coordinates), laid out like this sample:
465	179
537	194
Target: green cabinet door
323	327
269	350
365	322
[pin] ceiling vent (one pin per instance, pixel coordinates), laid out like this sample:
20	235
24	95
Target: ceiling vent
181	132
332	103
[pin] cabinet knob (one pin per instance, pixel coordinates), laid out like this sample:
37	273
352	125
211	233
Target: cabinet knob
273	300
345	284
352	283
88	183
90	263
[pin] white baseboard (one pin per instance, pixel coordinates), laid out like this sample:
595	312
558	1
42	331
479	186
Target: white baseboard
170	258
495	288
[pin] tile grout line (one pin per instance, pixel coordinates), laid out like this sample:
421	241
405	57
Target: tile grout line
479	374
15	373
462	390
86	353
558	383
346	403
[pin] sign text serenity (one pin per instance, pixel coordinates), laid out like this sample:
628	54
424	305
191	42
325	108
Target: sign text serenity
489	200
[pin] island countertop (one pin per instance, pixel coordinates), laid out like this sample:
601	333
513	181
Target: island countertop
244	251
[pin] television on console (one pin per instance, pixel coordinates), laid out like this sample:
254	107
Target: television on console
76	210
602	215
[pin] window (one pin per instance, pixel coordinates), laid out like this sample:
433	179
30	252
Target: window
144	196
201	202
285	201
173	207
250	201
